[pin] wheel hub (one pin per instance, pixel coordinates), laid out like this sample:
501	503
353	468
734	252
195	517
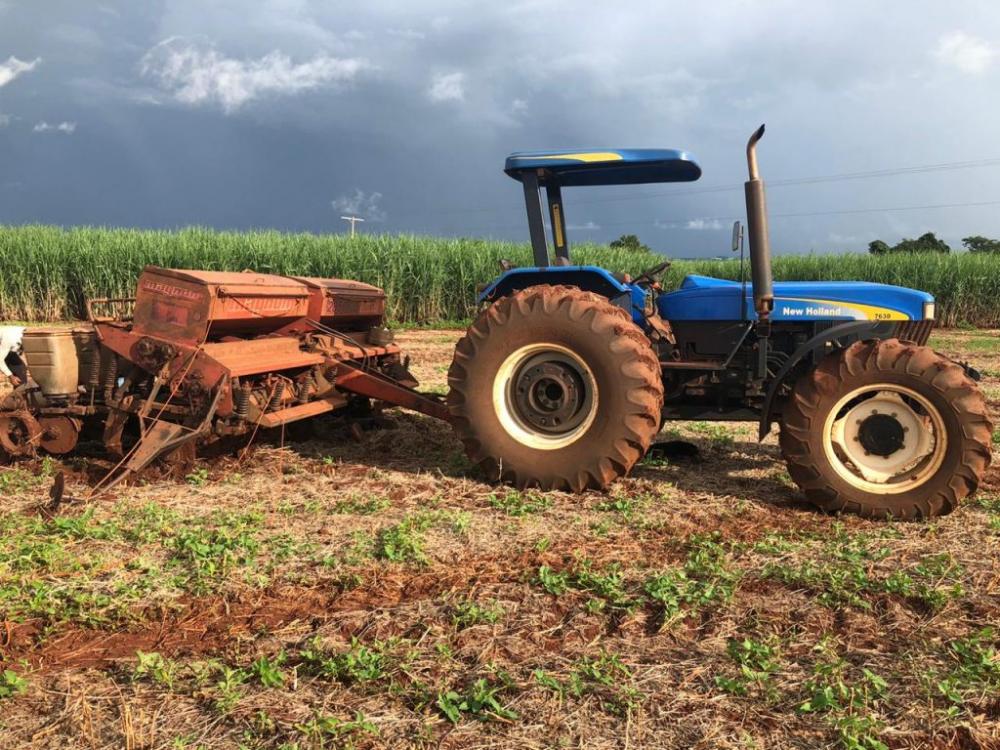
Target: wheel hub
881	438
881	434
548	396
545	396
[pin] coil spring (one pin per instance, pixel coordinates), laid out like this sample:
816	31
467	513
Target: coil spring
306	387
241	398
279	392
94	375
110	376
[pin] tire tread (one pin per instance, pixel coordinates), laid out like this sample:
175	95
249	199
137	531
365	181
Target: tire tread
624	341
801	419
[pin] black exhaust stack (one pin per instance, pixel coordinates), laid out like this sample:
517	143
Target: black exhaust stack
760	243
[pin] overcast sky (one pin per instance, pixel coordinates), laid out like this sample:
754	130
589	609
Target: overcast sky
287	114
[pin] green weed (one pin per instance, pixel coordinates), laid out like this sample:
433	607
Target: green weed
555	582
480	701
606	677
362	506
757	662
359	664
466	613
155	667
974	670
515	503
11	684
404	541
268	671
626	506
198	477
704	579
844	573
607	586
717	434
229	688
317	729
209	548
846	701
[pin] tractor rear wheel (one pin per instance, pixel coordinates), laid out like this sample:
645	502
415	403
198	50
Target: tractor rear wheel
886	429
557	388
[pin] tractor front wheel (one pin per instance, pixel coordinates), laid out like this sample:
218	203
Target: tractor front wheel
886	429
557	388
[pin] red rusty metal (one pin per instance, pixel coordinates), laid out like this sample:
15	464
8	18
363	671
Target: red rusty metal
59	433
19	433
344	305
352	378
303	411
202	354
197	305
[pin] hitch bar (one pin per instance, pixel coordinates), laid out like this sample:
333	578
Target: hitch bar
378	386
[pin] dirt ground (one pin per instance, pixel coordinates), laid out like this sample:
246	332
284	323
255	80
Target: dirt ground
380	593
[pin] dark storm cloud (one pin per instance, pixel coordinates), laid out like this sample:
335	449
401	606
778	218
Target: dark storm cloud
274	113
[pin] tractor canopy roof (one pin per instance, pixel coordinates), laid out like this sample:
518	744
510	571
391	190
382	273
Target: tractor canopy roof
620	166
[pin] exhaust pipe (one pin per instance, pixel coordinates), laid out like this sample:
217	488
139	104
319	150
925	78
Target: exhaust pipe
760	243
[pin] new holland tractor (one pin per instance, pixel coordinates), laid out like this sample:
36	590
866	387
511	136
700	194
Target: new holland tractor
569	371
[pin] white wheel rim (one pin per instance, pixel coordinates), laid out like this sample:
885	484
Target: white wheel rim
504	400
907	417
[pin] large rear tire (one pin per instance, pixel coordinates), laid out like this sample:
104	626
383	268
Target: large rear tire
555	387
886	429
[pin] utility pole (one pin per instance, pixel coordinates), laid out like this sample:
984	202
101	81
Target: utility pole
354	220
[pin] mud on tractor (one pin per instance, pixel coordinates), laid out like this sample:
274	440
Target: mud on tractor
197	356
569	371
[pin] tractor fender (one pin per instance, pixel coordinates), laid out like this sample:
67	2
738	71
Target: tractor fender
845	333
588	278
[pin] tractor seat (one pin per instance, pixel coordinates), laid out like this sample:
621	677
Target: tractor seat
624	166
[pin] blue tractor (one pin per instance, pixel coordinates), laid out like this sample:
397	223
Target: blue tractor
568	373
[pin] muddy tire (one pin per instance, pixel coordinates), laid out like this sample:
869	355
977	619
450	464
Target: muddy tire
554	387
886	429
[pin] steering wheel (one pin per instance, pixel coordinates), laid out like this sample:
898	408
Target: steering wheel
649	275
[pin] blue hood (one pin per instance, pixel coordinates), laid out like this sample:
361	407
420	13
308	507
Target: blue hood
705	298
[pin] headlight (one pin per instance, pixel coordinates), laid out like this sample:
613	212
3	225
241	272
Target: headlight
928	311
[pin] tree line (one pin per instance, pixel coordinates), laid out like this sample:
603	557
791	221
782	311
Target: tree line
925	243
929	243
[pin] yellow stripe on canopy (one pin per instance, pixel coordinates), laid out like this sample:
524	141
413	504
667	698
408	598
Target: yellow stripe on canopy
585	156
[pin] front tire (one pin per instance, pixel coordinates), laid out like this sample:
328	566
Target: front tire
886	429
555	387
